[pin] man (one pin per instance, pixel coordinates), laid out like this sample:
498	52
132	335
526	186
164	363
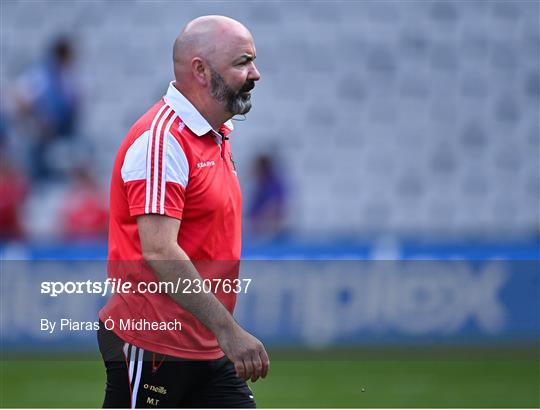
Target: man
175	215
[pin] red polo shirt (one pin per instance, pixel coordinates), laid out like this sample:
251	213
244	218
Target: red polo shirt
172	163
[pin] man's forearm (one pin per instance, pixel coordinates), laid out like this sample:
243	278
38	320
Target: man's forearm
170	265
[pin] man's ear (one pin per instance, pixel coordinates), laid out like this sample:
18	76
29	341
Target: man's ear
198	68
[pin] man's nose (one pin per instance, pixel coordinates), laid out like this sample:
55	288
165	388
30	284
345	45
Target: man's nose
254	73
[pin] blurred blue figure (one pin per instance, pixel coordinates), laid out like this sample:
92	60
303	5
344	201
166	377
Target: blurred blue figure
3	132
48	100
267	214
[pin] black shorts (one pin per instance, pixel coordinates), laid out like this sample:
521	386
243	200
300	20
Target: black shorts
140	378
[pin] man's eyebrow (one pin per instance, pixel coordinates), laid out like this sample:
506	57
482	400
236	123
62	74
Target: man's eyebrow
247	57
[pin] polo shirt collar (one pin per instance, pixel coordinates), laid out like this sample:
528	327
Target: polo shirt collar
189	114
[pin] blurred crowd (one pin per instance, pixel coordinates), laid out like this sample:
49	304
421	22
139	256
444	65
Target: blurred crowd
414	119
48	187
42	150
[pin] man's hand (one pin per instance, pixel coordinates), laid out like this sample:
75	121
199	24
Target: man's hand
246	352
169	262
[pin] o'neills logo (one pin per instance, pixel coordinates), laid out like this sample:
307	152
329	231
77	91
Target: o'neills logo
156	389
206	164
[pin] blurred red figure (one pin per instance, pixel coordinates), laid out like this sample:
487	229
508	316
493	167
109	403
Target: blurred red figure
84	214
13	193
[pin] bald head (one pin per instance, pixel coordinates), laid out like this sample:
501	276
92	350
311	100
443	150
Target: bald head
206	37
214	66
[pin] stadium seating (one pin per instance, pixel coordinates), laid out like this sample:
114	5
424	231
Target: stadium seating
398	116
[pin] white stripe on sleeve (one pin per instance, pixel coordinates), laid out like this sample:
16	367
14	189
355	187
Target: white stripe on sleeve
157	152
149	159
165	160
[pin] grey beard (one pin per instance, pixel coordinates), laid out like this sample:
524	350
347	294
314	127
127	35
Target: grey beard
235	103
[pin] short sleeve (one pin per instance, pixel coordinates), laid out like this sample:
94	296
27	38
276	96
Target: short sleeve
155	174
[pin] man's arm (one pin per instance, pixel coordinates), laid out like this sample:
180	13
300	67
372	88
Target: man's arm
160	249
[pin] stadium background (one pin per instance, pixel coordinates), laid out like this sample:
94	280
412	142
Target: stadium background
403	131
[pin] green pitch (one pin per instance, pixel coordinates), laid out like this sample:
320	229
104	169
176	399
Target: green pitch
344	378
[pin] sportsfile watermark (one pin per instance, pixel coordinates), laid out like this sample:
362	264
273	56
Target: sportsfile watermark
112	286
304	304
70	325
